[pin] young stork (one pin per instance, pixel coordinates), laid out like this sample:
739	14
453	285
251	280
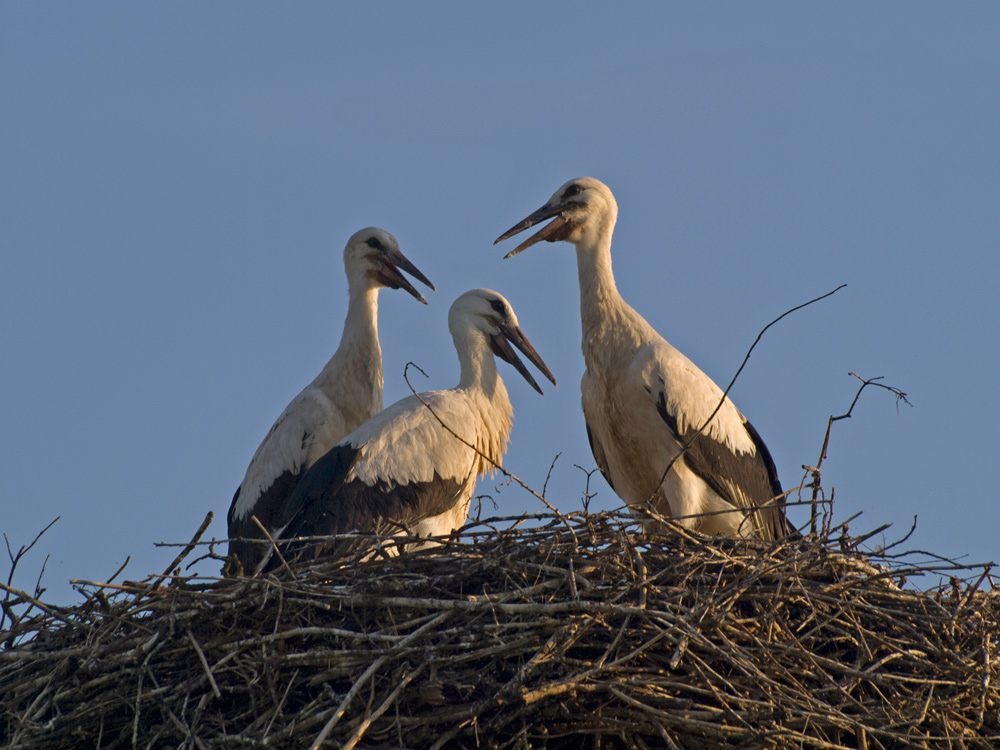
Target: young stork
643	399
405	470
346	393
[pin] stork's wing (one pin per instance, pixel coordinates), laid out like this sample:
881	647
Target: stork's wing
358	506
317	492
599	456
275	469
771	520
246	540
743	478
728	454
331	500
398	468
310	424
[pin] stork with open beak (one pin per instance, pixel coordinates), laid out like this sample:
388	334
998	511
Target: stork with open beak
346	393
413	468
643	400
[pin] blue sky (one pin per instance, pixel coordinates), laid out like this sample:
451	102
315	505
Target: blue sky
177	181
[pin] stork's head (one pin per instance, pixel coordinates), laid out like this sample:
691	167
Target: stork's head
582	212
373	255
486	312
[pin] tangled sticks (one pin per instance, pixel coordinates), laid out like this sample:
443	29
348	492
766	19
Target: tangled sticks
553	631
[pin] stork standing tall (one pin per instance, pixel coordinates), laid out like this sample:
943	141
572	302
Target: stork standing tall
643	400
414	466
346	393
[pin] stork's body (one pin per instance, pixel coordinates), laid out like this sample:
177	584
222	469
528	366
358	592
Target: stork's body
643	399
346	393
404	469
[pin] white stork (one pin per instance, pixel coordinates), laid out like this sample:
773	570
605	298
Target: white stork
643	399
403	468
346	393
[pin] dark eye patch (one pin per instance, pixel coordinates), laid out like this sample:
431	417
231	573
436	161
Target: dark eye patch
572	190
373	243
499	307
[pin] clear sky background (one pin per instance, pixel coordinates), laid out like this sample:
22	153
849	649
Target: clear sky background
178	180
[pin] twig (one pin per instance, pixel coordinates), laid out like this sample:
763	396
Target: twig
14	560
183	553
274	548
204	663
816	471
900	396
51	610
358	683
393	696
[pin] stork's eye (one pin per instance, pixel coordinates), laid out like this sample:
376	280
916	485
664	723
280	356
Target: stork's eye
373	242
572	190
498	307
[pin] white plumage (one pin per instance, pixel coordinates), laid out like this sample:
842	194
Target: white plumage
643	399
346	393
404	469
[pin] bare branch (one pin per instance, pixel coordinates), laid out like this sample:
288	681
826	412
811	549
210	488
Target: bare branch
274	549
16	558
186	551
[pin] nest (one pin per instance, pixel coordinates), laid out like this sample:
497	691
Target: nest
552	632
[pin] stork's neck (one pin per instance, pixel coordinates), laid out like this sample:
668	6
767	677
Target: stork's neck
482	385
479	368
602	309
359	348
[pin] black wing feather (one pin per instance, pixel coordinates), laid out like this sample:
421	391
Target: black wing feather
326	503
246	540
602	461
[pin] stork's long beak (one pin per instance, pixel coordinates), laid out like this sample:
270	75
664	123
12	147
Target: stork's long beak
555	231
389	274
501	343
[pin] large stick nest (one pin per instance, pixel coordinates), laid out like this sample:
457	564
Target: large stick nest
576	631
